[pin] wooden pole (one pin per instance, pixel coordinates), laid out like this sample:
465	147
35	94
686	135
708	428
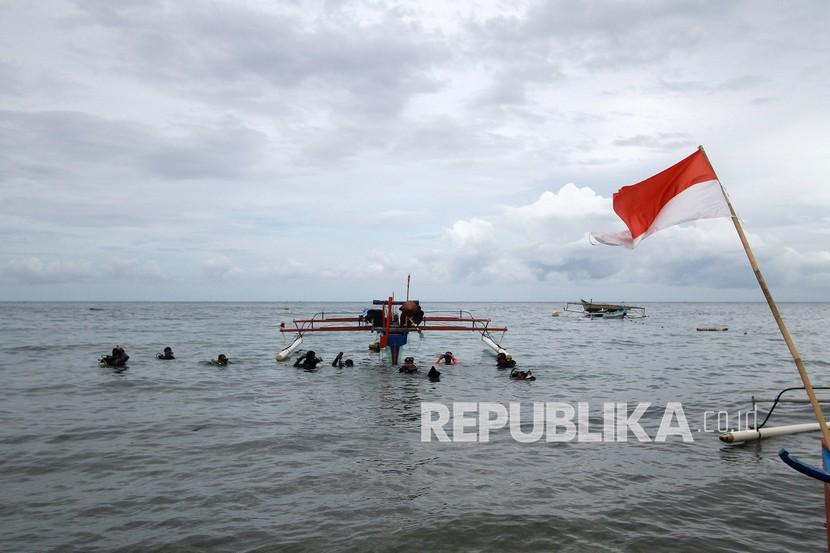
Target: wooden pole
407	287
802	372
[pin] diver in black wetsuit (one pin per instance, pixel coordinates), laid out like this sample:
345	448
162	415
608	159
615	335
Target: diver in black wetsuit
516	374
221	361
434	374
118	359
167	355
408	366
338	361
307	361
503	361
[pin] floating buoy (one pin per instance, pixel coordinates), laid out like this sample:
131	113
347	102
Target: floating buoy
555	314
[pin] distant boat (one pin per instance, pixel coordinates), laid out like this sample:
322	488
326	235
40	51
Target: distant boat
605	310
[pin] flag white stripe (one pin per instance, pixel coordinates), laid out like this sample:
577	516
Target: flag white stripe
704	200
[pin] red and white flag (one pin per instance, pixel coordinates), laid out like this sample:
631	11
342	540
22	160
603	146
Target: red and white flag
684	192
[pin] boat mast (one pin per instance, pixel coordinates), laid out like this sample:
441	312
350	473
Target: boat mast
407	286
802	371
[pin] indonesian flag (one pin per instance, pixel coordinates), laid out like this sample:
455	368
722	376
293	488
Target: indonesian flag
684	192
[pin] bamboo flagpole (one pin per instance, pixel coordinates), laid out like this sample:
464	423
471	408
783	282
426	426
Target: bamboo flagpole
802	371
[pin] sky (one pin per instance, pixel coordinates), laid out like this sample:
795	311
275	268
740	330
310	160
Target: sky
258	151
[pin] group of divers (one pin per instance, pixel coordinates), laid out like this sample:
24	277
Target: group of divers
118	358
310	362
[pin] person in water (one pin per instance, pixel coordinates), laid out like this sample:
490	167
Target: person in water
307	361
117	359
521	375
504	361
448	359
338	361
434	374
168	354
408	366
221	361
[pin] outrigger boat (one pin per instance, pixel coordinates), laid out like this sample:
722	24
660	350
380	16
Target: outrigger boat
605	310
392	326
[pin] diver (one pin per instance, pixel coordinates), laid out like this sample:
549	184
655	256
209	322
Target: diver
434	375
167	355
118	359
221	361
408	366
338	361
516	374
307	361
504	361
447	358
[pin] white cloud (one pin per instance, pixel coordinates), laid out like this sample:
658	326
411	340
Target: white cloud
33	270
221	267
569	202
472	233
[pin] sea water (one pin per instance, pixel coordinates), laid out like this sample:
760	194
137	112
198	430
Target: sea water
260	456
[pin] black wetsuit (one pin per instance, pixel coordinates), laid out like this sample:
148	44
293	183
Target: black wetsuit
118	358
308	361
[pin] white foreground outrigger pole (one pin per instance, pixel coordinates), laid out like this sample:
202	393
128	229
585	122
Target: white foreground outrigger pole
286	352
492	344
739	436
802	372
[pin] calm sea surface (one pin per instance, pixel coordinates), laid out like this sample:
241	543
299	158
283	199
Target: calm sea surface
183	456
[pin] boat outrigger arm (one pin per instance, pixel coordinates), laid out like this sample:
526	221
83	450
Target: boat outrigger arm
387	324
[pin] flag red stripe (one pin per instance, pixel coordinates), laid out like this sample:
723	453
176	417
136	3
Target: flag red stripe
639	204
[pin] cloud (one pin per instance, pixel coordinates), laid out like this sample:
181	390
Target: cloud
545	241
71	144
665	142
472	233
35	271
570	202
220	267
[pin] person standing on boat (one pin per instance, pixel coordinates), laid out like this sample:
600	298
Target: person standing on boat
411	313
